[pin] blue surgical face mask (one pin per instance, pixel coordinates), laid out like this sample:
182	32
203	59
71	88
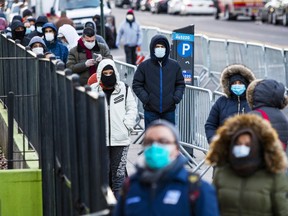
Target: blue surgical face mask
238	89
28	31
241	151
157	156
160	52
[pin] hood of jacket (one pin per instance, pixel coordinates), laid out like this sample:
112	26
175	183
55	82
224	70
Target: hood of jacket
274	157
100	67
49	25
156	39
266	92
233	70
70	33
15	24
36	39
41	20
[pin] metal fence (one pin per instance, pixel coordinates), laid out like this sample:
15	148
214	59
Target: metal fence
212	55
65	123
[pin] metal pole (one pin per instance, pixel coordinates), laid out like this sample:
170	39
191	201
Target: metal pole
10	129
102	19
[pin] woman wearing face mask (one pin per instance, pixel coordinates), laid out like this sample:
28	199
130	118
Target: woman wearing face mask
234	81
121	116
250	168
37	45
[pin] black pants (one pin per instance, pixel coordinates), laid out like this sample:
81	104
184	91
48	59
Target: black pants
117	167
131	55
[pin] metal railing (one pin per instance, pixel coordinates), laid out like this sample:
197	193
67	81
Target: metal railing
212	55
65	123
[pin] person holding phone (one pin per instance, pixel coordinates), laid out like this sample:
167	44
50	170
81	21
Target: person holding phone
80	58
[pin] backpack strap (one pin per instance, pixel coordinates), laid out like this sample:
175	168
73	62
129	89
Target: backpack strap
264	114
194	190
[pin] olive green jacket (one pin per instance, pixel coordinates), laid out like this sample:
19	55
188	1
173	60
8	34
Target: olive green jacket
262	194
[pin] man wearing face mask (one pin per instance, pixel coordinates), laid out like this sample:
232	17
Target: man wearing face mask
250	168
131	34
80	59
158	82
18	32
234	81
121	116
40	21
52	43
161	184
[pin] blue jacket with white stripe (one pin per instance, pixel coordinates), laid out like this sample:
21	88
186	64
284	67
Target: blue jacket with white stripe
167	194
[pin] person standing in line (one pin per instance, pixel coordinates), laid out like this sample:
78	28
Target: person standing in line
67	34
235	79
121	118
81	59
158	82
131	34
266	98
250	165
161	184
53	44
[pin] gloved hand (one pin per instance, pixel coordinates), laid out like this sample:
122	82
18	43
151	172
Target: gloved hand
99	58
90	62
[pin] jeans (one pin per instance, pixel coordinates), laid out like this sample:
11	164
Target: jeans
131	55
152	116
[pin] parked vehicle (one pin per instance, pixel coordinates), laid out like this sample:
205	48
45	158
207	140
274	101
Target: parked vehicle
121	3
79	11
145	5
159	6
136	4
275	12
231	9
185	7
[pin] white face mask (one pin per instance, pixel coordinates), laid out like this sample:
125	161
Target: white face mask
89	45
160	52
241	151
39	29
38	50
32	28
129	17
49	36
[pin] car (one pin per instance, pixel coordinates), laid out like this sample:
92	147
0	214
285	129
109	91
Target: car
159	6
277	12
186	7
121	3
145	5
265	13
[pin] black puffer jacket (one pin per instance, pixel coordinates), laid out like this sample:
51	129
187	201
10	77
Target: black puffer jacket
230	104
159	83
268	95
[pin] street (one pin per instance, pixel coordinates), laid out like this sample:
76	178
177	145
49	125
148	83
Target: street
242	29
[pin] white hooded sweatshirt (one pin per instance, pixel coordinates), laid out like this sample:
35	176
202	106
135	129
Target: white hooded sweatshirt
70	33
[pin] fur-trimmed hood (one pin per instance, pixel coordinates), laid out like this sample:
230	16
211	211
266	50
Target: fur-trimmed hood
231	70
274	156
266	92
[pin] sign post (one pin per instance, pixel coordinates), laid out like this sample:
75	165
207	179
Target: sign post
183	51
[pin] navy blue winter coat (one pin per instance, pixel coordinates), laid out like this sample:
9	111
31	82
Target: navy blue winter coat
159	86
229	105
168	196
268	96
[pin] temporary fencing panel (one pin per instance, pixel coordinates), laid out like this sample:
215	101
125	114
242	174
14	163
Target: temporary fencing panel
256	59
236	52
275	66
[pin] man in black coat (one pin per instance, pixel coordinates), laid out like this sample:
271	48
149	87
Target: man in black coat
158	82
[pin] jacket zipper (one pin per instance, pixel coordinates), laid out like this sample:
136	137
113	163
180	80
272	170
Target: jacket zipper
161	87
154	187
241	197
109	124
239	104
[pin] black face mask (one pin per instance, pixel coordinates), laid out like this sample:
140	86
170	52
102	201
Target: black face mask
19	35
108	81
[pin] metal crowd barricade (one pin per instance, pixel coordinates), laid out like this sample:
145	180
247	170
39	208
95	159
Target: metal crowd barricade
191	124
256	59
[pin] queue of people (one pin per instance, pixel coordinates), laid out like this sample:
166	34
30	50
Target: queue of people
246	130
